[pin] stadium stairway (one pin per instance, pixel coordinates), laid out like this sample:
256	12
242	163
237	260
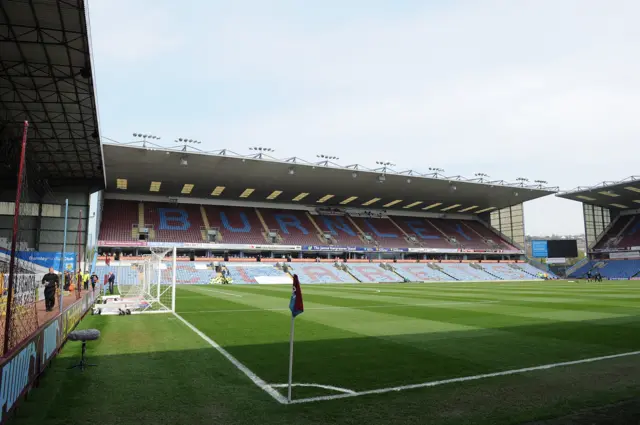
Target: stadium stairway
526	270
372	273
393	270
435	266
321	273
421	272
485	268
620	269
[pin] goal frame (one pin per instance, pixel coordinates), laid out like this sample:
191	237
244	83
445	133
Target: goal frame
144	298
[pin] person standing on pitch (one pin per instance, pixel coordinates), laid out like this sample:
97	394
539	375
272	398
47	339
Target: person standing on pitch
112	281
94	281
50	282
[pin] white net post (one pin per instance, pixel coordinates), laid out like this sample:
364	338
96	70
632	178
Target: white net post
145	286
173	280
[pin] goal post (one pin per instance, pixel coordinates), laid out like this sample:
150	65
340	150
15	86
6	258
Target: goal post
145	286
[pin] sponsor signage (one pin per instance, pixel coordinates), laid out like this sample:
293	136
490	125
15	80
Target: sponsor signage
539	249
47	259
556	260
624	255
316	248
21	368
123	244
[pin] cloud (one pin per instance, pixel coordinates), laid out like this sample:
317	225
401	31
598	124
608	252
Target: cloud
127	33
542	89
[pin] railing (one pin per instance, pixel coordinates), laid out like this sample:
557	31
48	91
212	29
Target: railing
577	265
538	265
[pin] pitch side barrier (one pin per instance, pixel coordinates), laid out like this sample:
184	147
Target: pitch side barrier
302	248
22	367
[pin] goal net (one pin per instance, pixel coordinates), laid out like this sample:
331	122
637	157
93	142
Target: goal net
146	286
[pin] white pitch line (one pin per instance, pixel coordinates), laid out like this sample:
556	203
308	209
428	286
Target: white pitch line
225	293
255	378
246	310
464	378
324	387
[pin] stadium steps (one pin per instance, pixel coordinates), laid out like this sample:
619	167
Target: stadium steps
205	221
446	237
394	271
626	226
516	267
482	269
604	233
265	231
576	266
344	268
319	231
361	234
438	268
141	214
472	230
407	237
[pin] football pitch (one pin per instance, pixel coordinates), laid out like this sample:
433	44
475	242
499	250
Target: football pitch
437	353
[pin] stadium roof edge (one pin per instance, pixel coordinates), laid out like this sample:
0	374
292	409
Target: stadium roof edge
48	80
296	161
148	168
620	194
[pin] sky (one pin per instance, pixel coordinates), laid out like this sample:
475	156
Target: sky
542	89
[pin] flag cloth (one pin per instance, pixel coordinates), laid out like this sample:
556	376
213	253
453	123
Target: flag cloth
295	305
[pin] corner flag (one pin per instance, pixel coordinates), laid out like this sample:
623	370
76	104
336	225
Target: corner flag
295	305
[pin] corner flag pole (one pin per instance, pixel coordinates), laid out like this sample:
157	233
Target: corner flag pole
293	321
297	307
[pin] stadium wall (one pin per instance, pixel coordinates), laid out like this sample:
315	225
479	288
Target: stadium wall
510	222
23	366
42	218
596	222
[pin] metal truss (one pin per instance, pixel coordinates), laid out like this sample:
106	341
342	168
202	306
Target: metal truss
604	185
355	168
46	78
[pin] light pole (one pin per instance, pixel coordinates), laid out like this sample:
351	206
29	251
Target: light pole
261	150
436	171
186	142
324	159
145	137
482	176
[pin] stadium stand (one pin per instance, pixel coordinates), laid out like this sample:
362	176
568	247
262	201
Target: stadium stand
581	271
620	269
236	225
372	273
119	218
189	272
291	227
174	223
465	272
425	233
321	273
624	234
247	272
506	271
239	225
382	231
421	272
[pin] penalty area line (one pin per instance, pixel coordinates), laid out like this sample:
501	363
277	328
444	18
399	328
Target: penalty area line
463	378
254	378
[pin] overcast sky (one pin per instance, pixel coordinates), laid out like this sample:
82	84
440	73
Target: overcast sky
544	89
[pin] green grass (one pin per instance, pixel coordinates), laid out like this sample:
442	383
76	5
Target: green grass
153	369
